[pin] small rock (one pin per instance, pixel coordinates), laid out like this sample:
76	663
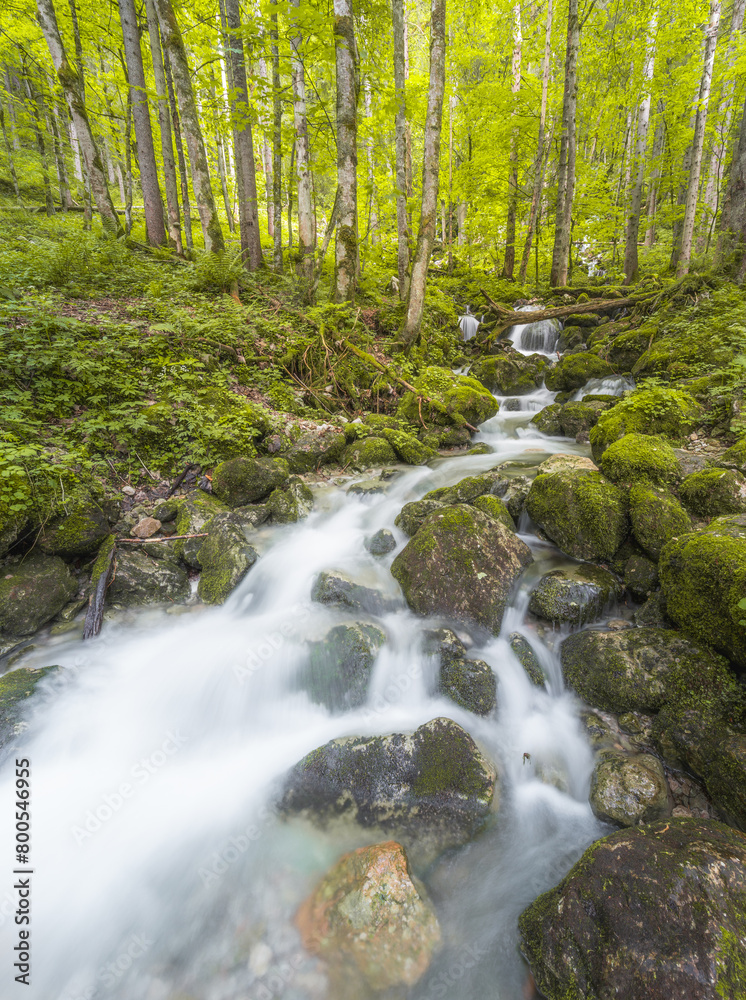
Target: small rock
128	491
381	543
628	789
339	589
527	658
146	528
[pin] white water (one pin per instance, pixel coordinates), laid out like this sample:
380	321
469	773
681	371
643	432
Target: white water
612	385
536	338
469	324
185	885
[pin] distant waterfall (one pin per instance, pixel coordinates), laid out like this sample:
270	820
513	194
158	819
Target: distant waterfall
469	324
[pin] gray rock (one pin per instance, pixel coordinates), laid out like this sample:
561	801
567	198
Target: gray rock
342	591
78	534
527	658
381	543
226	556
317	446
292	503
341	664
241	481
32	592
575	595
469	683
628	789
142	579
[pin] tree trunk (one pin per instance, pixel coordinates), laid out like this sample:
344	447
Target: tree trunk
70	83
9	153
402	222
676	228
155	226
690	211
345	253
66	200
174	45
731	250
267	153
652	202
290	197
184	180
566	172
631	265
276	145
430	169
87	205
306	228
372	228
37	119
128	165
509	263
164	123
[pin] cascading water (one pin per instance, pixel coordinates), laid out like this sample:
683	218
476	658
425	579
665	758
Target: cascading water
536	338
612	385
469	324
160	868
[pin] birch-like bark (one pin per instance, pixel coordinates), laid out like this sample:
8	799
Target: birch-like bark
372	227
345	251
540	161
183	178
690	211
566	171
9	154
87	194
164	124
174	45
155	226
70	82
731	249
651	207
267	147
128	164
509	262
306	229
276	144
66	199
430	170
631	264
402	222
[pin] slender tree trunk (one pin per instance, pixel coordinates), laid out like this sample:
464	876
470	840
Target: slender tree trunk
183	178
372	228
690	211
9	154
631	265
267	150
678	222
290	196
402	222
731	249
220	158
155	226
306	229
652	202
346	249
164	124
37	119
128	164
566	172
70	83
174	45
66	200
87	194
509	263
430	170
276	144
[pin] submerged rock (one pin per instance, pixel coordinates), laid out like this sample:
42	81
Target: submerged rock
575	595
463	564
342	591
245	480
381	543
32	592
341	664
651	913
469	683
628	789
370	921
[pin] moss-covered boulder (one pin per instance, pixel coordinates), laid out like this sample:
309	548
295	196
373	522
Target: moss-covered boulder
652	912
408	448
574	370
640	576
292	503
340	664
526	656
703	577
142	578
247	480
713	492
193	513
367	453
368	920
340	590
78	534
510	373
381	543
431	785
575	596
636	457
16	687
668	412
629	789
463	564
581	511
627	347
225	557
314	447
469	683
578	417
547	420
639	669
32	592
656	518
412	515
466	490
570	338
735	458
495	508
444	398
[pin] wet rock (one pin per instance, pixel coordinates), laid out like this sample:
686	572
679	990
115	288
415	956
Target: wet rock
656	518
143	579
367	453
10	531
653	912
433	786
640	576
653	613
408	449
560	463
32	592
412	515
78	534
574	370
367	487
469	683
342	591
381	543
292	503
467	490
316	446
547	420
371	922
578	417
341	664
527	658
629	789
225	557
714	492
576	595
514	491
703	578
194	511
581	511
669	412
637	457
509	373
462	564
16	688
146	527
495	508
240	481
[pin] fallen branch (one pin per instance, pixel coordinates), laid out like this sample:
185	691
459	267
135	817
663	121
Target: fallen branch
100	580
168	538
179	480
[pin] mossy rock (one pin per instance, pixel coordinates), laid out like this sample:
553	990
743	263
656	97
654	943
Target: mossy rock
408	448
628	347
341	663
466	490
463	564
292	503
735	458
584	320
381	421
574	596
225	557
574	370
381	543
578	417
640	669
32	592
78	534
657	517
444	398
636	457
703	577
469	683
509	374
653	613
246	480
547	420
629	789
412	515
669	412
570	338
526	656
193	513
713	492
494	507
451	437
320	445
581	511
340	590
640	576
16	688
141	578
368	453
433	785
656	911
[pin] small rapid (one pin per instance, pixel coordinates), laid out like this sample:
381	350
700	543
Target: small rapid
161	867
536	338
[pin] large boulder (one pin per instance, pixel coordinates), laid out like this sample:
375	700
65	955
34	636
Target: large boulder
246	480
578	417
444	398
574	370
547	420
142	578
509	373
713	492
192	514
315	446
32	592
629	789
413	515
641	457
370	922
703	577
656	518
649	913
463	564
408	448
469	683
576	595
638	669
367	453
290	504
341	664
669	412
432	786
15	688
78	534
225	557
581	511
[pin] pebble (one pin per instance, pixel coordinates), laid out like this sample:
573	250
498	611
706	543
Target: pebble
146	527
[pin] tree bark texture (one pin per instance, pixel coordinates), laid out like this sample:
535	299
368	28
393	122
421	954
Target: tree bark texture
402	222
566	171
345	251
631	265
509	262
306	228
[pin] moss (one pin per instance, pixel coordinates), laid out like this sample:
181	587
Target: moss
447	399
15	688
575	417
731	964
656	518
408	448
78	534
509	374
574	370
637	457
193	513
368	453
547	420
32	592
447	758
667	412
626	348
735	458
412	515
713	492
493	507
245	480
465	490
